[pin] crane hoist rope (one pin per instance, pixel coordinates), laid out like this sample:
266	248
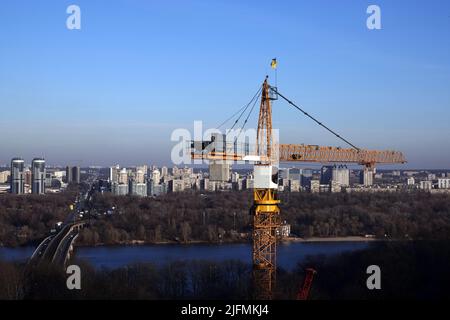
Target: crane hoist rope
248	116
255	98
312	118
241	110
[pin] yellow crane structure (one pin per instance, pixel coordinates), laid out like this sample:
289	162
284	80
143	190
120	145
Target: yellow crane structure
266	212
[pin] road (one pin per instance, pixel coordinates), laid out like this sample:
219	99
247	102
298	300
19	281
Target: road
55	249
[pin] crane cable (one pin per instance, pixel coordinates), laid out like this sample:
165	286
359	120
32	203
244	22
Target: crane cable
255	99
314	119
241	110
248	116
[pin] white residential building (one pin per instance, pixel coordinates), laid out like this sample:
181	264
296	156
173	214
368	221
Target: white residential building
444	183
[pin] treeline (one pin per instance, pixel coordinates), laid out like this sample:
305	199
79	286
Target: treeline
26	219
182	217
409	270
225	216
176	280
395	215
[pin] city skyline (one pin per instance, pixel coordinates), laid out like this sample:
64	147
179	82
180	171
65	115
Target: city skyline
283	165
114	91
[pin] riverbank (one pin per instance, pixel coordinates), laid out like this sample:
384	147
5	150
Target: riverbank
332	239
194	242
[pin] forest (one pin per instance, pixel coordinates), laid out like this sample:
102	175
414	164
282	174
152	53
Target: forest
225	217
410	270
28	219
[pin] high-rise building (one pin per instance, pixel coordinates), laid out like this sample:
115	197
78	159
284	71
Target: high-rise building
341	175
305	178
123	176
156	189
294	185
119	180
138	189
119	189
144	169
335	186
175	171
27	178
326	174
164	172
187	172
73	174
284	183
212	186
4	176
38	176
176	185
76	174
444	183
204	184
248	183
219	170
284	173
314	186
48	179
114	173
68	174
17	176
366	177
140	176
237	185
196	184
426	185
156	176
295	174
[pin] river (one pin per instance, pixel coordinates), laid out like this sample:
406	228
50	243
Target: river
289	254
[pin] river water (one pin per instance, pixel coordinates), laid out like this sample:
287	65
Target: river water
289	254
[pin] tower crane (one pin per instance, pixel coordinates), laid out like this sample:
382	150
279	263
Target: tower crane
265	210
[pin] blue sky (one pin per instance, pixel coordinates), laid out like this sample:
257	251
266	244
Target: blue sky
114	91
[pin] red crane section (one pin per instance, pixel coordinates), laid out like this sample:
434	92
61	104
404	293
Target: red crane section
304	290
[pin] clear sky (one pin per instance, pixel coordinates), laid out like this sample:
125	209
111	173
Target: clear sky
114	91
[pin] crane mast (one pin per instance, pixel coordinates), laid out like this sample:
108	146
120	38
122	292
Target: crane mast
264	133
266	214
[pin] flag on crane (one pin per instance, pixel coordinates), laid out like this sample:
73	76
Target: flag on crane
273	64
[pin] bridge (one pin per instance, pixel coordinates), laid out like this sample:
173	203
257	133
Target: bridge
57	248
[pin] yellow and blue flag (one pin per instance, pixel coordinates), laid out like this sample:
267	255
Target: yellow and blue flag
273	64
